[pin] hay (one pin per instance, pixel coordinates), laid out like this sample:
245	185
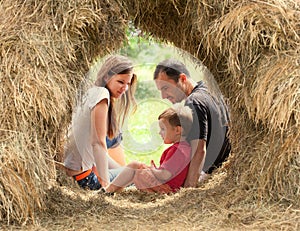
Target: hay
251	47
208	207
275	93
46	49
24	175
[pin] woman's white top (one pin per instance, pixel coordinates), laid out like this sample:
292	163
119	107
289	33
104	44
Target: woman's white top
79	150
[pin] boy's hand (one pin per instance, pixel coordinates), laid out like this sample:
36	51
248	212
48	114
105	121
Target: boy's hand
153	164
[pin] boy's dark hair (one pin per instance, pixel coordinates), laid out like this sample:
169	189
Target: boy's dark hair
179	115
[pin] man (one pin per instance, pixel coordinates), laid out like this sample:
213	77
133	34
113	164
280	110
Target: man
209	134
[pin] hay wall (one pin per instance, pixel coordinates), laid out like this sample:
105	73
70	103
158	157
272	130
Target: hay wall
46	49
252	48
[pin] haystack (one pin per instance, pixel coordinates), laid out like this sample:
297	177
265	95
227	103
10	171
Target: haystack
46	49
251	47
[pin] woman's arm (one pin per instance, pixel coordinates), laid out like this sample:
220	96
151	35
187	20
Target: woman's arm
98	135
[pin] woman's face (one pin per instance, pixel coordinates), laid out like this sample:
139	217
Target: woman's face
118	84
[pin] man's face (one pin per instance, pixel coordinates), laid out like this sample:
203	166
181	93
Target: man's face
169	89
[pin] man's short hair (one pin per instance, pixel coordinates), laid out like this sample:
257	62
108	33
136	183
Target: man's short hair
172	67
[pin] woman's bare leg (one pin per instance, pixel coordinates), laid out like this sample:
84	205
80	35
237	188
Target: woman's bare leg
118	155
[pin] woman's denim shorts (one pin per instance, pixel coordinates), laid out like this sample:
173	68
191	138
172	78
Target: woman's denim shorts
91	181
114	142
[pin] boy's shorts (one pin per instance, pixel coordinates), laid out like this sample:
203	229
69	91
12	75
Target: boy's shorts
89	180
145	181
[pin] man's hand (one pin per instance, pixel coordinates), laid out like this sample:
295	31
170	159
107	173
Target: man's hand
191	180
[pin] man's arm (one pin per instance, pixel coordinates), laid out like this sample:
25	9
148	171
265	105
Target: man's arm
197	162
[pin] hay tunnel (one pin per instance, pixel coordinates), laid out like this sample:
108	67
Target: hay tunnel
46	49
251	47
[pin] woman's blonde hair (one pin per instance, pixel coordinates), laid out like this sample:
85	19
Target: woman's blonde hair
118	109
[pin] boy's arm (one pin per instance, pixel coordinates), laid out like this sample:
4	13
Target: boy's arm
161	174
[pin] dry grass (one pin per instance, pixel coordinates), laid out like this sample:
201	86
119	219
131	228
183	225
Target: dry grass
46	49
213	206
253	50
251	47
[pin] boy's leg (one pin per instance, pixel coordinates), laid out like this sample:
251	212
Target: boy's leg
124	178
145	181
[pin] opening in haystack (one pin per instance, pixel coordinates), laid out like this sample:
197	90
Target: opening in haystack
141	139
252	49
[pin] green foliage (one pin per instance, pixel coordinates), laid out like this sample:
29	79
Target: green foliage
143	49
141	139
146	89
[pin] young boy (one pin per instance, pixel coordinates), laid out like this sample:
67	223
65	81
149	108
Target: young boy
174	124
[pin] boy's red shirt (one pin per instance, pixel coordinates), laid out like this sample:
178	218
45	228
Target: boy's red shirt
176	159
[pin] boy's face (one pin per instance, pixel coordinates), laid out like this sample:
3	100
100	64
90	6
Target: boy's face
168	132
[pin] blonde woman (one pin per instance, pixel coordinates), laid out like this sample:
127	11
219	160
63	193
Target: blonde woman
96	124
